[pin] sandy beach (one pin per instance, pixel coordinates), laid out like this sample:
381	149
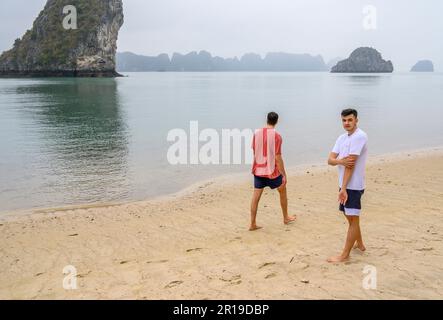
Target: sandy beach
195	245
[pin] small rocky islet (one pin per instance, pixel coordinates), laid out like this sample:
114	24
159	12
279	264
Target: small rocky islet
364	60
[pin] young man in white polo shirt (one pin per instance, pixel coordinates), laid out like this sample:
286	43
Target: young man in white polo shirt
349	154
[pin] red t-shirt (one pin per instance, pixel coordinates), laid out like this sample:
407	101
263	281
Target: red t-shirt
278	143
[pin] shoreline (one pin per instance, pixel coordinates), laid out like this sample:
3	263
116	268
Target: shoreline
197	245
228	178
231	178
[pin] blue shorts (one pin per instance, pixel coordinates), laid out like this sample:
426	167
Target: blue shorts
262	182
352	207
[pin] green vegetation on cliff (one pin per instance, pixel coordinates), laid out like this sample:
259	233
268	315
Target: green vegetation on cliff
49	46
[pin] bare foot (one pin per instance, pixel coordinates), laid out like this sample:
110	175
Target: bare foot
290	219
337	259
359	246
254	228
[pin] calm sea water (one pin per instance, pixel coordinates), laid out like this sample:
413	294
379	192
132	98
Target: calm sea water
79	141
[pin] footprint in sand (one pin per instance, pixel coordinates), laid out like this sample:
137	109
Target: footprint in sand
194	249
158	261
383	253
234	280
271	275
83	275
266	264
425	249
173	284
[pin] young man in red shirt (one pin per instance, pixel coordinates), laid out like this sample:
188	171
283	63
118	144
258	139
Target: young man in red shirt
268	168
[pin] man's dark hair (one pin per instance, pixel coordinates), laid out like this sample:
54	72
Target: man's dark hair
272	118
348	112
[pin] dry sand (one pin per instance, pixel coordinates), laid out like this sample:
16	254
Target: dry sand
195	245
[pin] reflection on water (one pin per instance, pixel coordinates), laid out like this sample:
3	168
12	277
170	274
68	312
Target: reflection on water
78	141
365	79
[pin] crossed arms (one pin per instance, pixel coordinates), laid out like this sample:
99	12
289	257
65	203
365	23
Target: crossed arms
349	164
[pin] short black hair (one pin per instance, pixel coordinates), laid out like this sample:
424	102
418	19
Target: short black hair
348	112
272	118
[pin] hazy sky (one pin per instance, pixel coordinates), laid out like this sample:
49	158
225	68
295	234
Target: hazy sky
406	31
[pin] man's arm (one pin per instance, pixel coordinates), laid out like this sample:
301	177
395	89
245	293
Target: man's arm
333	161
347	162
343	195
281	166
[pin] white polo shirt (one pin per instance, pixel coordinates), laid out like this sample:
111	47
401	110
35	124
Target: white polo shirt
355	144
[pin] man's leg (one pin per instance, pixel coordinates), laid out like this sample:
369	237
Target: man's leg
359	243
284	205
254	207
351	238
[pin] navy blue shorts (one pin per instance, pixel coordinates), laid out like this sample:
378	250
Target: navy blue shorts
262	182
352	207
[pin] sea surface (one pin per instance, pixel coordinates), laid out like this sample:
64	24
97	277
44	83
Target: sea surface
67	141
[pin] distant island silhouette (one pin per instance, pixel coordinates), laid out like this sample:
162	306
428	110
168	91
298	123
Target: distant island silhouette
423	66
204	61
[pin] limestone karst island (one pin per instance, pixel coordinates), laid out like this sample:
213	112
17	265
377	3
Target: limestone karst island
364	60
56	46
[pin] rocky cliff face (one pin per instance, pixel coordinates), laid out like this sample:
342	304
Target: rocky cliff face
48	49
364	60
423	66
